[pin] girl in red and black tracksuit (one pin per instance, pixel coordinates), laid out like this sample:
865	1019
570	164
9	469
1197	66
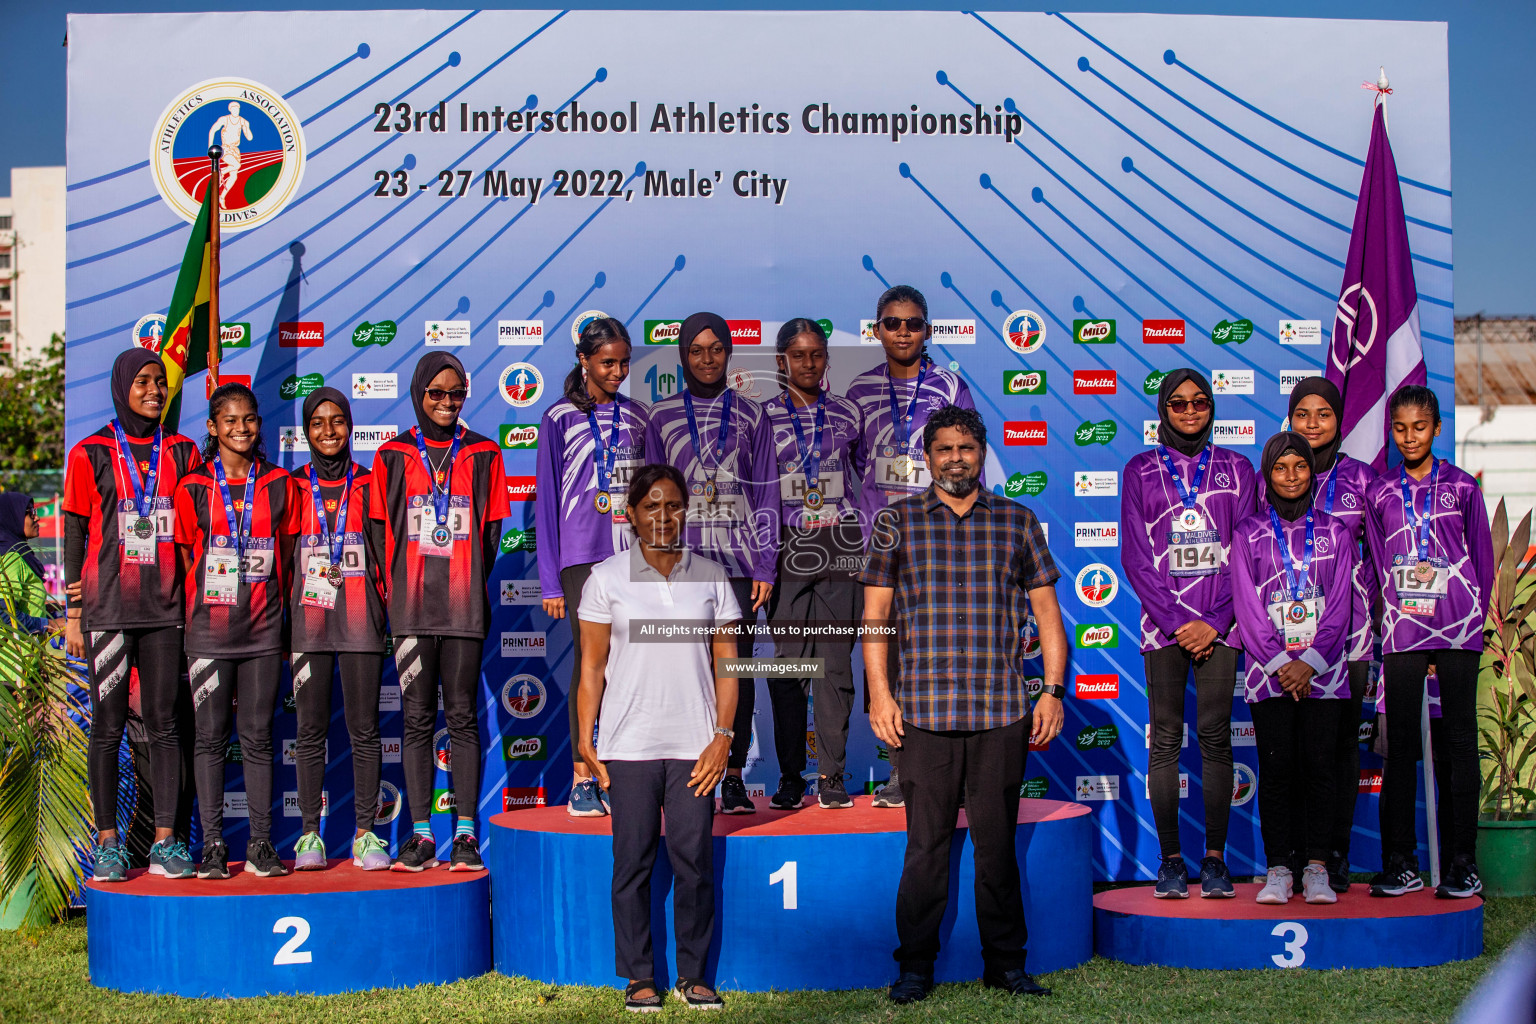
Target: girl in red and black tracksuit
119	546
336	614
232	518
441	492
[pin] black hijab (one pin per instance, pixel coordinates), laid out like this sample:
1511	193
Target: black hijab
692	328
124	369
429	366
329	467
13	528
1280	444
1324	457
1185	444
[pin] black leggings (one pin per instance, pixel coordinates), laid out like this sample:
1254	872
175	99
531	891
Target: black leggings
1295	741
420	661
1346	763
360	675
572	579
746	694
1403	676
156	653
217	686
1167	674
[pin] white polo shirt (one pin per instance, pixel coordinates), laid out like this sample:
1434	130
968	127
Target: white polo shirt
659	701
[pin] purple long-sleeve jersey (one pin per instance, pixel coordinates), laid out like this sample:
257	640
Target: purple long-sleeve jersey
838	484
570	529
1149	504
1260	594
1459	545
731	529
876	458
1354	478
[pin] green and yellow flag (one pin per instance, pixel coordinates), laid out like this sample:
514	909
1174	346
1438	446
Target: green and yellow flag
187	339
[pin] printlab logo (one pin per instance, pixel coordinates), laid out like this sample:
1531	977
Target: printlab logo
389	746
1027	432
1162	332
524	696
1244	783
447	333
301	334
521	385
1088	432
1232	382
1290	378
148	331
520	332
1094	382
1107	635
1096	535
1023	382
523	645
1100	737
380	334
951	332
1025	483
1097	585
1233	432
1096	483
1093	332
1024	330
1232	332
263	152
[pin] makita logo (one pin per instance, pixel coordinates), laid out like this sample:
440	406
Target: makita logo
1162	332
745	332
305	334
1031	432
520	488
518	797
1098	687
1093	382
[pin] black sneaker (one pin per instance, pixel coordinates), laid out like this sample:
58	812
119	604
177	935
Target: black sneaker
1338	872
1461	882
733	796
1017	982
418	854
1215	880
911	986
832	792
790	795
261	860
215	860
1172	880
465	855
1398	877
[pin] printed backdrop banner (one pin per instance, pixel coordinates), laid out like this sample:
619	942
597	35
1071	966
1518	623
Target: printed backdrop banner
1087	201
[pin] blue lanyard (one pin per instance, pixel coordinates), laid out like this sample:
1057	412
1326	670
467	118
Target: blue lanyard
810	463
237	532
1333	482
332	539
1187	494
1297	585
143	490
1429	504
901	425
610	451
725	427
440	496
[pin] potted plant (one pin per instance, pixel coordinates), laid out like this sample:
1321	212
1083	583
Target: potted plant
45	817
1506	831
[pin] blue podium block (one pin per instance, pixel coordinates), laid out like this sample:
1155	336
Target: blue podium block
1416	930
316	932
803	899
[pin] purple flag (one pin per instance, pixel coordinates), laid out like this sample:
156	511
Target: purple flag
1375	347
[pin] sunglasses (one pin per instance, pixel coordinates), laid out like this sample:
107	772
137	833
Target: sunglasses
453	395
32	514
1192	404
893	323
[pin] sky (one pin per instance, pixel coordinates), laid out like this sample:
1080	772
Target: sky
1493	115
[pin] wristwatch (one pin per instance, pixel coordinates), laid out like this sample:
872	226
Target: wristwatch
721	730
1056	690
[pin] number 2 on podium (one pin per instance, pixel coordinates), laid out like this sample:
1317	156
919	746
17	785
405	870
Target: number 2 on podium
789	874
289	952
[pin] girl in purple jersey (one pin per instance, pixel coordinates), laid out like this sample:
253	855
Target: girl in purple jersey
1179	505
1428	531
1293	576
591	441
1339	483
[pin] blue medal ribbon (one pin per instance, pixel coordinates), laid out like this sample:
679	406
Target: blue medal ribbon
725	427
809	463
1188	495
1333	483
237	532
440	496
332	539
1295	584
901	425
143	489
605	455
1429	505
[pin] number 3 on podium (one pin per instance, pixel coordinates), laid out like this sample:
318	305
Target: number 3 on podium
1295	946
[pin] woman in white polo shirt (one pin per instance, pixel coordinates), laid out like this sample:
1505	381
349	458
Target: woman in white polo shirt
660	703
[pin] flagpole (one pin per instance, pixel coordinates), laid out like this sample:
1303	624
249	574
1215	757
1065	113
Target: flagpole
215	329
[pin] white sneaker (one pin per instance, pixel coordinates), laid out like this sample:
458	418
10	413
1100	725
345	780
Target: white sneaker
1314	885
1278	886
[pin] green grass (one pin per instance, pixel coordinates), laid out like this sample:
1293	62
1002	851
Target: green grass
49	981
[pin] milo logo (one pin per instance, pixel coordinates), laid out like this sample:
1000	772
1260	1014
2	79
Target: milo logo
381	333
1088	432
295	386
1154	382
523	748
518	540
1025	483
1093	332
442	801
1100	737
1098	636
1035	788
1232	331
519	435
235	335
663	332
1024	382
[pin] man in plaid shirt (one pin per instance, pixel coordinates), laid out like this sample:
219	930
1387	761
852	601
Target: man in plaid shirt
957	572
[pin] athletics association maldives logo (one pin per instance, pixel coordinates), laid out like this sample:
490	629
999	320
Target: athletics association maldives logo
524	696
1097	585
521	385
387	807
148	331
263	145
1024	330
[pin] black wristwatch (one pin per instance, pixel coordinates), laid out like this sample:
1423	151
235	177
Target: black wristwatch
1056	690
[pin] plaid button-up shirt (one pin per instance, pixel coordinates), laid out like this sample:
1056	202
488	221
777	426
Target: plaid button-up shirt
961	605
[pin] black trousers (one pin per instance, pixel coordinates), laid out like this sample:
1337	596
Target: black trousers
111	656
572	579
797	602
746	694
1167	672
988	766
1403	676
420	662
640	792
360	675
217	686
1346	757
1296	742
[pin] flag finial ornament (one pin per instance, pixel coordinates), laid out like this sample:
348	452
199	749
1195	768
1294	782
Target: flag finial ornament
1381	87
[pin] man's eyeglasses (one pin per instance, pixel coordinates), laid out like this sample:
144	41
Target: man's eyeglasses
453	394
32	514
1191	404
914	323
